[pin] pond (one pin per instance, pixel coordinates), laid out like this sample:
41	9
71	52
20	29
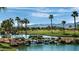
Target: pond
46	47
49	47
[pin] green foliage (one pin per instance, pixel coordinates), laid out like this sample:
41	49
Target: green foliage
7	24
51	16
6	36
55	32
35	37
4	45
74	14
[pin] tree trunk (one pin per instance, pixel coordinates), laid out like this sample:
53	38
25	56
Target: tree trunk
18	25
26	29
74	25
51	25
63	29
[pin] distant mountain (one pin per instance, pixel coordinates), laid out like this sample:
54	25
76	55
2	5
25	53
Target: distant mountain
57	25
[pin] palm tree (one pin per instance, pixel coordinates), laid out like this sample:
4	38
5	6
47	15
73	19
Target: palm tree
18	21
26	22
7	25
51	17
63	22
74	15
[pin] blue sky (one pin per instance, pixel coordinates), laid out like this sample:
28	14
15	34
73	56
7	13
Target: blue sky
39	15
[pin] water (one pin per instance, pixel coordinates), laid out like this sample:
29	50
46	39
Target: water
49	47
44	47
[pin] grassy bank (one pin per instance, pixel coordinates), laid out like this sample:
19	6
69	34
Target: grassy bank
6	47
54	32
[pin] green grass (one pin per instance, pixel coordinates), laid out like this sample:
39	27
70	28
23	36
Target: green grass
6	47
54	32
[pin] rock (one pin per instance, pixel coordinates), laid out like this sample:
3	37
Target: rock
76	41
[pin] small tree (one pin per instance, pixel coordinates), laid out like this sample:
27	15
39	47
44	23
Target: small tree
51	17
7	25
63	22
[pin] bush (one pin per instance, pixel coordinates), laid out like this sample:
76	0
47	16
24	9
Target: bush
75	35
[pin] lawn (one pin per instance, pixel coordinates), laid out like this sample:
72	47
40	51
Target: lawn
54	32
6	47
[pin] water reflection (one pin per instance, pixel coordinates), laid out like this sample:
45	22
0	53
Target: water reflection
49	48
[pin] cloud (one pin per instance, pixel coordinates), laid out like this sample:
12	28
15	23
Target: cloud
59	15
50	9
53	9
38	14
18	8
63	10
38	9
70	20
42	9
77	19
75	8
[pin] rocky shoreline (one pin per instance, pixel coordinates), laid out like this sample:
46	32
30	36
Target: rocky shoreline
27	42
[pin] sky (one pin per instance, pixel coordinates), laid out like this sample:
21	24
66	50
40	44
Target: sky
39	15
